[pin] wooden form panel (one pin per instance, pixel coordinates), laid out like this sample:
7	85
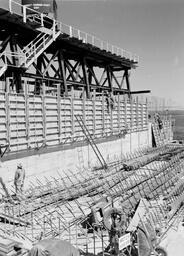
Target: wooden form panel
31	121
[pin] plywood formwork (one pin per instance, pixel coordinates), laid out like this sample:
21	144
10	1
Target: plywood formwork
32	121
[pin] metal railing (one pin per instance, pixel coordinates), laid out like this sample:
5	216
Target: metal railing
19	57
87	38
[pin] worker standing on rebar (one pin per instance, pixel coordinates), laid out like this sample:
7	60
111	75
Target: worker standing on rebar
19	179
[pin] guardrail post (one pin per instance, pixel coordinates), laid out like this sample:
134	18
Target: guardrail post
24	13
54	29
78	32
70	27
10	6
41	19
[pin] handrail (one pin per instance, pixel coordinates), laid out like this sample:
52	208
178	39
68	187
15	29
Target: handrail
12	54
74	32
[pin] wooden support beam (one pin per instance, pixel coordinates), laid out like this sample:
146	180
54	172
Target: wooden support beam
72	111
115	79
137	114
85	75
44	114
123	77
103	113
69	68
127	81
94	111
109	78
63	72
139	92
125	106
50	63
72	70
119	125
47	60
92	74
7	108
59	111
27	113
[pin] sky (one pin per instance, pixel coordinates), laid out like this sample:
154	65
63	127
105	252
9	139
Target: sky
153	29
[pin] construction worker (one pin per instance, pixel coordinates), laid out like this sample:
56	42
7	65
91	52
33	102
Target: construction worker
19	179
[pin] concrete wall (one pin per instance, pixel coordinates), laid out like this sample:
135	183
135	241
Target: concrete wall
49	164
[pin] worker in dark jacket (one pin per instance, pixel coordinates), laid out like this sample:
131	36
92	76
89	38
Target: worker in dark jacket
19	179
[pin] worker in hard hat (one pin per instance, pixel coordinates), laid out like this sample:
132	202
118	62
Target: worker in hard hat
19	179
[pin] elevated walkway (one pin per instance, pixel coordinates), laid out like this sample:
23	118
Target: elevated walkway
30	28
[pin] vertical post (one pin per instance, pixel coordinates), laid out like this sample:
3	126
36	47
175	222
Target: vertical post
131	123
72	111
103	114
109	78
137	121
137	115
24	13
86	80
119	125
142	116
10	6
27	114
54	29
94	112
63	71
127	81
125	102
94	242
84	106
41	14
7	103
70	28
44	114
59	110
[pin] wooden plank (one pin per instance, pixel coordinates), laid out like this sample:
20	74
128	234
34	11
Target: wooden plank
7	108
72	112
94	112
59	110
118	112
44	115
27	114
103	113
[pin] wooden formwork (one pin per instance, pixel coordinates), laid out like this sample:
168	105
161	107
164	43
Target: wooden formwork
31	121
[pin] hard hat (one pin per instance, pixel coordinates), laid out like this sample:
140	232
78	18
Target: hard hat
19	165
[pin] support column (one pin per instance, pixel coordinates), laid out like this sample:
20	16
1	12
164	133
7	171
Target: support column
27	114
86	80
94	112
44	115
59	110
63	72
119	124
127	82
7	108
72	111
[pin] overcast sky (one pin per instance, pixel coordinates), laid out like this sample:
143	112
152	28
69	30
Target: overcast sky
154	29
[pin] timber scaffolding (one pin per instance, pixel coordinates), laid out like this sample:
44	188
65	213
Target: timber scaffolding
43	54
50	72
67	206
